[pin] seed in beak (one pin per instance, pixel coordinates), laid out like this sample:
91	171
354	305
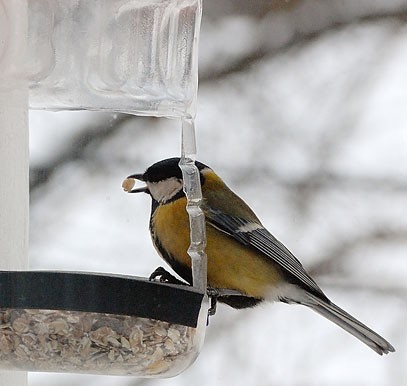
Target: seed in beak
128	184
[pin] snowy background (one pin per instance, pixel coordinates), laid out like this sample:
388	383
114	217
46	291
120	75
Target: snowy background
302	109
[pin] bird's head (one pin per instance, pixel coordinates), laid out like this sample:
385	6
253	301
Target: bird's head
163	180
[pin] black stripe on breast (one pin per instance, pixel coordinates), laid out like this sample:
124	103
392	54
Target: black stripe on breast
181	269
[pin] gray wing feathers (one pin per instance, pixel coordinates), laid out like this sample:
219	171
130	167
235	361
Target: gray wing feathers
264	242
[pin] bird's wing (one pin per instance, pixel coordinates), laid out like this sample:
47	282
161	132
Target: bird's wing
254	235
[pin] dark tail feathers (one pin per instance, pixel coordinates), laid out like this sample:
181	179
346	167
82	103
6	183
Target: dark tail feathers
340	317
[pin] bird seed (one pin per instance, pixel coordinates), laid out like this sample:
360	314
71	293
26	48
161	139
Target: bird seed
82	342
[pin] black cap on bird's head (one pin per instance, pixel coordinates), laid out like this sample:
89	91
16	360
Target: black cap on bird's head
163	170
163	179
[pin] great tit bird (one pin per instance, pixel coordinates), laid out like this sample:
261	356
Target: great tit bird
242	254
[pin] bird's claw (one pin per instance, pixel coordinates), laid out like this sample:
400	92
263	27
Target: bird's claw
213	293
163	276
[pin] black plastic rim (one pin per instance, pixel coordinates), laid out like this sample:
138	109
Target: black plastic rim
110	294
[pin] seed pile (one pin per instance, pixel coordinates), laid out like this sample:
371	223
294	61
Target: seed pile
71	341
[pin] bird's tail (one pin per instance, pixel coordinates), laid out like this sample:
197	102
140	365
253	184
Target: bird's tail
340	317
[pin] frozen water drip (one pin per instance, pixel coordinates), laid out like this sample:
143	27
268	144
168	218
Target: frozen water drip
192	189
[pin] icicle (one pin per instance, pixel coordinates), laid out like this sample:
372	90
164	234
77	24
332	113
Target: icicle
192	188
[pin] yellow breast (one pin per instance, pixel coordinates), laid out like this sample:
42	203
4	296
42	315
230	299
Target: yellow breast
230	264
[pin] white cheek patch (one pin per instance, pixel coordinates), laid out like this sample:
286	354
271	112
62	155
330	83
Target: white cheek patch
250	227
164	190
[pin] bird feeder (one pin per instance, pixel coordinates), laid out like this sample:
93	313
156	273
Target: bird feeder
90	323
137	57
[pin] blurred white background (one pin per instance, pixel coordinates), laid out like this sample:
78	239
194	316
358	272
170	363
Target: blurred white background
302	111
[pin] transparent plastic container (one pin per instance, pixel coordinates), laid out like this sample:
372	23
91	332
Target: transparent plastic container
133	56
98	324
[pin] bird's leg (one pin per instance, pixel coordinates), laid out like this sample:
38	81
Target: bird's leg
213	293
164	277
212	308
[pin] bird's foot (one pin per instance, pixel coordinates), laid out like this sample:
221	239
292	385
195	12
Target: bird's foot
213	293
163	276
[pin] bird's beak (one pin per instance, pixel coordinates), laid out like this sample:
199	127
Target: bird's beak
129	182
